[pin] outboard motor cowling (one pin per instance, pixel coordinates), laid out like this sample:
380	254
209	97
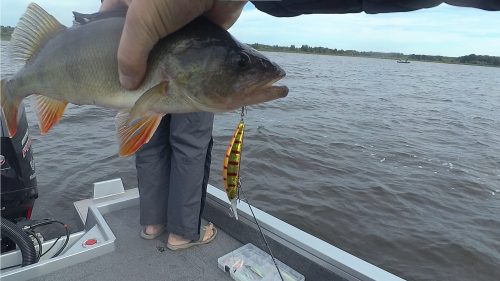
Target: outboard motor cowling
18	179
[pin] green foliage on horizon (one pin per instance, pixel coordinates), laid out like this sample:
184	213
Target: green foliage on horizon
6	32
469	59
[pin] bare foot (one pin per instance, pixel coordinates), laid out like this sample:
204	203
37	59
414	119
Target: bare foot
176	240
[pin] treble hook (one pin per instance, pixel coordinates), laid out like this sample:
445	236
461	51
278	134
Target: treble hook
230	212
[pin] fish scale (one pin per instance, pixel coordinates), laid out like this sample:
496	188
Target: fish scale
200	67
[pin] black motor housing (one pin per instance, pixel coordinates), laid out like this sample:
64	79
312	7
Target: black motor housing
18	179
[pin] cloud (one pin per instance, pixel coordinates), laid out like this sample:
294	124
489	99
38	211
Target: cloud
443	30
11	10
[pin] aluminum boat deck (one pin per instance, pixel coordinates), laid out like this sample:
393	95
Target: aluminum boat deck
111	219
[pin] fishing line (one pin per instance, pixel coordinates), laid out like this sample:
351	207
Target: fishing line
245	199
260	231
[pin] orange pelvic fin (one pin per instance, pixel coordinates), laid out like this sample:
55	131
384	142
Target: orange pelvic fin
133	135
49	111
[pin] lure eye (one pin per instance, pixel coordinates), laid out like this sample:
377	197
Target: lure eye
242	60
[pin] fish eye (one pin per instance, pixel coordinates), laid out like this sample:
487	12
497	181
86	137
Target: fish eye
242	59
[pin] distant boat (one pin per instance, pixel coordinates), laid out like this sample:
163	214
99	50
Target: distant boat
403	61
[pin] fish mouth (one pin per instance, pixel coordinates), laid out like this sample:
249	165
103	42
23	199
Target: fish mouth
280	90
266	91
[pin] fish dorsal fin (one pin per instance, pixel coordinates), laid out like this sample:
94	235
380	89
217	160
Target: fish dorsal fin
136	133
34	29
49	112
87	18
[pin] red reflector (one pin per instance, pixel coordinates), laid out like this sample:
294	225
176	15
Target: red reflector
90	242
28	213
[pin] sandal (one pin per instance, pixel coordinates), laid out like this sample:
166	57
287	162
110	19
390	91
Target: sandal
200	241
152	236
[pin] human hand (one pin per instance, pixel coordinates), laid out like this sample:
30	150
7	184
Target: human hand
148	21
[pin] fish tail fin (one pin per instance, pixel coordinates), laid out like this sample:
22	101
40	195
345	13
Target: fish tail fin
10	107
34	29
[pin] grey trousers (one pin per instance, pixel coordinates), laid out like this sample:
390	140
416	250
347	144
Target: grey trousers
173	170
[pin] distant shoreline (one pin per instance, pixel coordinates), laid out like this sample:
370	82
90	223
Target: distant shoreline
370	57
6	32
472	59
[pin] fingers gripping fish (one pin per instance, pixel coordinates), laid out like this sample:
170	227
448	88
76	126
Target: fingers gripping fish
200	67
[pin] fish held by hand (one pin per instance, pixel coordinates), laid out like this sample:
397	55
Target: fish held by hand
200	67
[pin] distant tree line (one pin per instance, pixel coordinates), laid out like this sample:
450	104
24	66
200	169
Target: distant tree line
469	59
6	32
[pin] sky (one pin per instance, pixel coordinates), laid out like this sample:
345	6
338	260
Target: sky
443	30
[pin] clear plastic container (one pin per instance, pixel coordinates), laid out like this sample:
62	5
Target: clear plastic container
249	263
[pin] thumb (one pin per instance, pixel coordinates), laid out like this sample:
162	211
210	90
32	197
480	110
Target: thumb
135	44
145	24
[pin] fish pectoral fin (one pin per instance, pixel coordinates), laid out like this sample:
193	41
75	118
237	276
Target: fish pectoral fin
133	134
137	126
149	100
49	111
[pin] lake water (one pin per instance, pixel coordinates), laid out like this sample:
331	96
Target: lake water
398	164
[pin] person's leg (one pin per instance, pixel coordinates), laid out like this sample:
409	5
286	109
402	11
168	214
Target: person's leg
190	137
153	172
206	176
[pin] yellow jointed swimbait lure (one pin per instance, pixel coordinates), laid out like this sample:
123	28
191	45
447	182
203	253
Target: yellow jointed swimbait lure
231	169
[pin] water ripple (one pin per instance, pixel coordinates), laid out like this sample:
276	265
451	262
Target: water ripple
395	163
